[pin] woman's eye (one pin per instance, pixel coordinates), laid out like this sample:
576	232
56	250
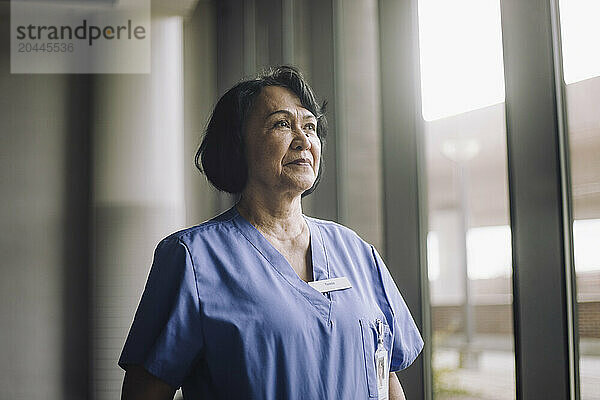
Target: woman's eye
282	124
310	127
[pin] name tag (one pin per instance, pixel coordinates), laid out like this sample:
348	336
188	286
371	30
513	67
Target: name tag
328	285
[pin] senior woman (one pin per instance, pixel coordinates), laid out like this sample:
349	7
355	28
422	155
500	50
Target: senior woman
263	302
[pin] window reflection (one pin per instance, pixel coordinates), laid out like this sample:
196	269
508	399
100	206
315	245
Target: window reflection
581	66
469	253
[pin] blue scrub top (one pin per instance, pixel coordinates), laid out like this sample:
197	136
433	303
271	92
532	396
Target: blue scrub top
225	316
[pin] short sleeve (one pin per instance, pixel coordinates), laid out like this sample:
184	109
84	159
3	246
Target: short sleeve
166	336
407	340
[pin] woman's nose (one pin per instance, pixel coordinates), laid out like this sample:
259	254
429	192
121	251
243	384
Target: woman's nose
301	140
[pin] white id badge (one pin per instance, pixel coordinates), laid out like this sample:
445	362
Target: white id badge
381	365
328	285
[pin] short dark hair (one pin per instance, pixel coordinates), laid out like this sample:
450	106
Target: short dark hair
221	155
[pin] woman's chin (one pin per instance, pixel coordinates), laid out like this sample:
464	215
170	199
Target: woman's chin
302	184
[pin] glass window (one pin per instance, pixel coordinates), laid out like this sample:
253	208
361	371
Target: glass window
581	64
469	240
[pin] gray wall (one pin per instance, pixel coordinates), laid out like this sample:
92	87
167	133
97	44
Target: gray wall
45	189
94	170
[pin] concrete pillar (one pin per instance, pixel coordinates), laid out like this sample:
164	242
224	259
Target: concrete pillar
200	94
449	287
139	189
359	118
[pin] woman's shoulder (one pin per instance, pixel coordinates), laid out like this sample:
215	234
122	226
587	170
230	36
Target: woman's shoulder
221	224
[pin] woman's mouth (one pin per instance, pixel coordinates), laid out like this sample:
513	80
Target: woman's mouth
301	162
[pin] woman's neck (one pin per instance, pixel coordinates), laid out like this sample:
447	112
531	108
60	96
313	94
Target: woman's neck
277	216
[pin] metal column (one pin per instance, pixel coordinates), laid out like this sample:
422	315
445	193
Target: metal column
405	227
543	288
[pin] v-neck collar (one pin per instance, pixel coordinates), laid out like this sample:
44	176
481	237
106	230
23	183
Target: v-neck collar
320	266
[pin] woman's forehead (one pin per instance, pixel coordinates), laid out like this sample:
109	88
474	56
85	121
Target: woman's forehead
277	98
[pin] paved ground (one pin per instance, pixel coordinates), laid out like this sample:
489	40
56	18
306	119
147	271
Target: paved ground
494	379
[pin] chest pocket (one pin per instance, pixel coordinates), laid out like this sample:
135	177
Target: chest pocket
368	329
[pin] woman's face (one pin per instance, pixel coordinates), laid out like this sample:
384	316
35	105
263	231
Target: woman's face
282	147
